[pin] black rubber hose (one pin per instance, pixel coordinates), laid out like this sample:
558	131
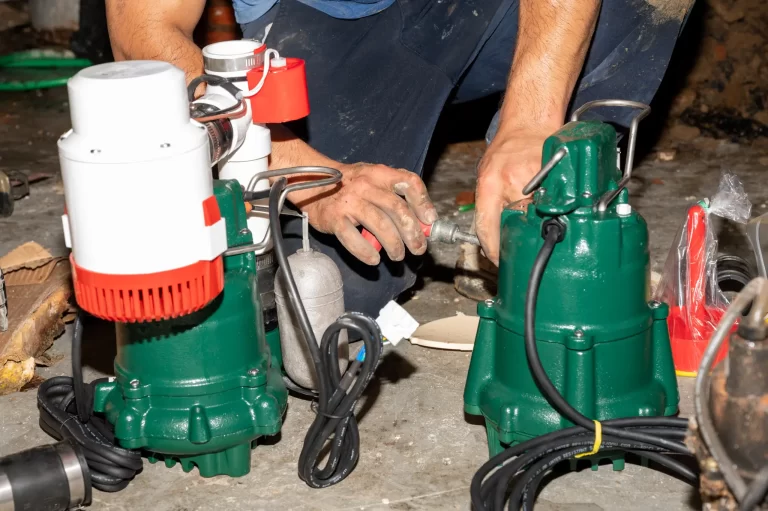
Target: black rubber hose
337	395
66	406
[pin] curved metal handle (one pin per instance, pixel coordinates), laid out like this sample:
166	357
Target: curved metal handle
534	183
608	197
334	176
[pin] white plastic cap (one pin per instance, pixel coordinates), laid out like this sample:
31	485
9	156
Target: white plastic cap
231	49
123	99
279	62
623	209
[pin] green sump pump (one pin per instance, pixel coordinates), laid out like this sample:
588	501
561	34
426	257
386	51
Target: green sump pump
602	342
200	389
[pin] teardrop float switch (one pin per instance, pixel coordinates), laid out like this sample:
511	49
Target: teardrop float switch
321	291
604	346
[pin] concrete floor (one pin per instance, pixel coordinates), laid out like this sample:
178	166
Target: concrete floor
418	449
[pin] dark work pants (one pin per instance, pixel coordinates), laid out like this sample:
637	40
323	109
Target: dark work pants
377	86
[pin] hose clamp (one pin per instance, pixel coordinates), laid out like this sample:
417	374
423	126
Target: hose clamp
74	471
232	64
6	493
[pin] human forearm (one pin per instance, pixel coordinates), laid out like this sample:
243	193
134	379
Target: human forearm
156	30
290	151
553	39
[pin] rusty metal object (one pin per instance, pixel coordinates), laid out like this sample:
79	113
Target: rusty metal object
738	400
220	20
714	492
739	404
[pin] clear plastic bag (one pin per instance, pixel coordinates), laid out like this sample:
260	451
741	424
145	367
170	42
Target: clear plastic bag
689	280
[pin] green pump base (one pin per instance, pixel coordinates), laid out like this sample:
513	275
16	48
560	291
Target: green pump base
602	343
199	390
234	462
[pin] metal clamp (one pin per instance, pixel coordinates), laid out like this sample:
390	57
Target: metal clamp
229	64
608	197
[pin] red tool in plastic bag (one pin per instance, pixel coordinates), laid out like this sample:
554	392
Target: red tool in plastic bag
689	283
693	320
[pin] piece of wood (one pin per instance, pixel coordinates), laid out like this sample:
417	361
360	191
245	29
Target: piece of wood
23	254
38	292
455	333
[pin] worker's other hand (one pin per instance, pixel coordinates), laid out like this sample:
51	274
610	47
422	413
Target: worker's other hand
509	163
387	202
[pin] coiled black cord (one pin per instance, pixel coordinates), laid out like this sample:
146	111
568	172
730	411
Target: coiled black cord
66	412
517	481
337	394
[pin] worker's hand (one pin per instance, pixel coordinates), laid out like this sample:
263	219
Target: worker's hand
509	163
387	202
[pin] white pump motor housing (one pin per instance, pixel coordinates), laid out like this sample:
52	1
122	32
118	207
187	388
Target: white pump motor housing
144	227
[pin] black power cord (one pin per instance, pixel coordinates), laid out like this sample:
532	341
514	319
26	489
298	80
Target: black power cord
216	81
756	492
66	412
337	394
522	468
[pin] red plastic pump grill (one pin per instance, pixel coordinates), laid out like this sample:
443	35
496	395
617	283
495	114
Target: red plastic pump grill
154	296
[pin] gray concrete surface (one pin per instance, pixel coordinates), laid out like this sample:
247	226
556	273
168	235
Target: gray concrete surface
418	449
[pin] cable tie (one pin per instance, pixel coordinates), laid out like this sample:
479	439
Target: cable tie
314	408
598	441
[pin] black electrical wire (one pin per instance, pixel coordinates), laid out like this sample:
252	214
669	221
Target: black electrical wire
298	389
514	476
219	81
66	412
249	196
756	492
337	394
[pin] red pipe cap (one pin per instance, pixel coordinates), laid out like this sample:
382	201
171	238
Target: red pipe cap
284	96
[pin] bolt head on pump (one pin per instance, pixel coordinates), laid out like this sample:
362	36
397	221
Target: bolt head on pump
141	219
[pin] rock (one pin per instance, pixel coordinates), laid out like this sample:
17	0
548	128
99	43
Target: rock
761	117
728	13
668	155
684	132
763	161
685	99
720	53
706	143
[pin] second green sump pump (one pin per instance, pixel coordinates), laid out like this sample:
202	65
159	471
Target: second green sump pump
603	344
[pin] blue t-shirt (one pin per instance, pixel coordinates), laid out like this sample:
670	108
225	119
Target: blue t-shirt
251	10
